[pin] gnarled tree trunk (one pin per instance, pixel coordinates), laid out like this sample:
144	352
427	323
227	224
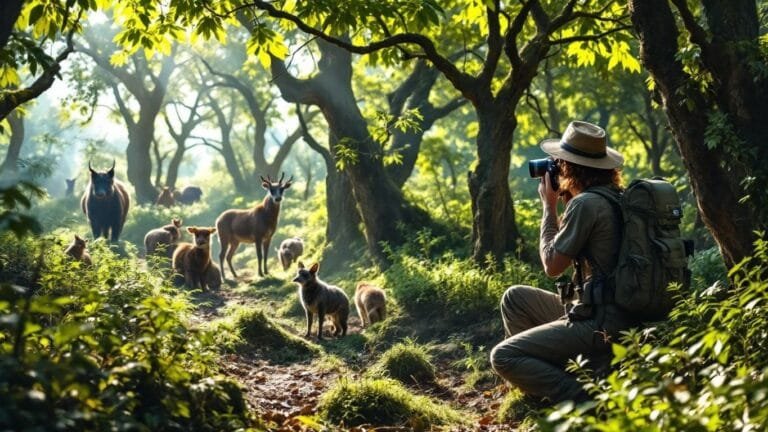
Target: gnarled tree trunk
740	101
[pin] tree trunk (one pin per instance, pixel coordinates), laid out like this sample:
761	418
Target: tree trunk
381	204
716	186
172	176
343	229
10	165
9	13
494	231
139	163
342	232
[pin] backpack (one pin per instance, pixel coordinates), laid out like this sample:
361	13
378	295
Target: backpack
652	253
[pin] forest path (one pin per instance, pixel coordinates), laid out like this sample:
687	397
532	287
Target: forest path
285	395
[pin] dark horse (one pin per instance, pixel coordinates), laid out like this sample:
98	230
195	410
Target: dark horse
105	203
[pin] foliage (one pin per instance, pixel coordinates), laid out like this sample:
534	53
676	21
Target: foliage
707	267
407	362
13	199
477	362
704	369
103	348
451	288
383	402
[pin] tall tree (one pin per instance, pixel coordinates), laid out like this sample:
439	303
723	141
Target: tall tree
10	165
380	202
716	104
145	82
539	27
342	229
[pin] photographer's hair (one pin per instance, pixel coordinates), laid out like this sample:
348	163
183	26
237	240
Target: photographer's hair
580	177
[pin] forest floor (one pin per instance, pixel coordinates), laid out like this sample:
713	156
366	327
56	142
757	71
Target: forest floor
285	395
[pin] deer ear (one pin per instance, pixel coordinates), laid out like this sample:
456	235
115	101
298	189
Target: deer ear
192	230
314	268
301	265
177	222
213	230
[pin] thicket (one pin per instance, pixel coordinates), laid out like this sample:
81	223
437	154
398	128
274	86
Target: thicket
704	369
102	348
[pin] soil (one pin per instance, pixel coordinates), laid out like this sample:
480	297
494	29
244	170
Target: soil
285	396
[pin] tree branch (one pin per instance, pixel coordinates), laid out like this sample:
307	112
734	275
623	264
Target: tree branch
495	45
461	80
586	38
310	140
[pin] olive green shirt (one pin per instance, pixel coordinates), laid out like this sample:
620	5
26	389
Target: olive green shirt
588	229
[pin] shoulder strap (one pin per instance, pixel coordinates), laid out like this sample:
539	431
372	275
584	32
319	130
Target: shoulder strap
613	199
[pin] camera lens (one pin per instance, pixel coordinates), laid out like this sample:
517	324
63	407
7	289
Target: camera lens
538	167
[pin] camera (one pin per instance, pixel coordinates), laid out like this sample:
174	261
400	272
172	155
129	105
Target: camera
539	167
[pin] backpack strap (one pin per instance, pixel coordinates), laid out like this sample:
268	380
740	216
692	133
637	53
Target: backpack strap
602	289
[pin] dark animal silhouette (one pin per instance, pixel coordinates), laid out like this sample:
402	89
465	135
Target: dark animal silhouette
256	225
165	198
77	250
105	203
318	297
70	187
192	260
188	195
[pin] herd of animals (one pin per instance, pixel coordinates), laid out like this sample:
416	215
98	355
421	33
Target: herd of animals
106	201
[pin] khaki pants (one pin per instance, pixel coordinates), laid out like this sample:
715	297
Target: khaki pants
540	341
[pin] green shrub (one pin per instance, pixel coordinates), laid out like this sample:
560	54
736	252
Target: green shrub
704	369
407	362
707	267
105	348
454	289
383	402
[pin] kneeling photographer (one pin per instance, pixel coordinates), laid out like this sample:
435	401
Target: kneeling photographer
543	329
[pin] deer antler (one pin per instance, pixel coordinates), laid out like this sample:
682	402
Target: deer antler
281	178
113	165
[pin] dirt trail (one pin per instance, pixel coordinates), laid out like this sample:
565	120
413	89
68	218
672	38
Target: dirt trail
284	396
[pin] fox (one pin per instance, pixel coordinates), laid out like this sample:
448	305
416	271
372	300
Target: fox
78	251
371	303
318	297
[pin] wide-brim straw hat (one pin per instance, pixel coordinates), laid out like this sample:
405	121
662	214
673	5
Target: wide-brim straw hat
583	143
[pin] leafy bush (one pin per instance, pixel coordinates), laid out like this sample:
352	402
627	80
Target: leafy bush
704	369
383	402
454	289
105	348
707	267
407	362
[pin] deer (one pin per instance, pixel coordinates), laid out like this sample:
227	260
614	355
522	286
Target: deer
256	225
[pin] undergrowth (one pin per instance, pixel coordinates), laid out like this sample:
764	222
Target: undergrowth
704	369
103	348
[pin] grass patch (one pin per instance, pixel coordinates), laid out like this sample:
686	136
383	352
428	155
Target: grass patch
383	402
518	408
249	330
407	362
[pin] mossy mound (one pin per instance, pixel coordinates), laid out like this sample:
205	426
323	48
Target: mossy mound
383	402
250	330
407	362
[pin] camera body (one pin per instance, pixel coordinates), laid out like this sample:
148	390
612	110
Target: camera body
539	167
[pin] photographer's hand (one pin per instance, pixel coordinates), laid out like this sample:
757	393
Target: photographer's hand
547	194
